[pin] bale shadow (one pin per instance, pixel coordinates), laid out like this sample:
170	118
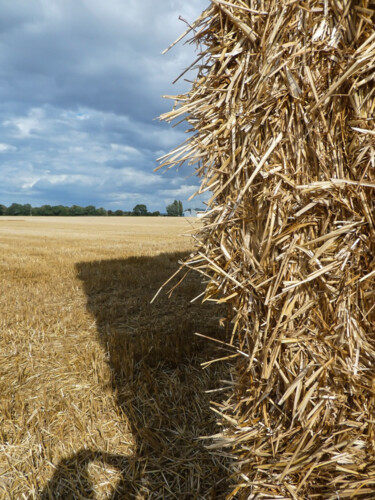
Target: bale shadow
155	361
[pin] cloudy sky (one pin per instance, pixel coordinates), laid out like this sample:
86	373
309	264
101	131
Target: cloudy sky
80	92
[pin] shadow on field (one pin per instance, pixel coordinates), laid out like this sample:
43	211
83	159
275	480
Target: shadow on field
155	359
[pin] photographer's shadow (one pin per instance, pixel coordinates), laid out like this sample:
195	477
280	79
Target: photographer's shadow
155	360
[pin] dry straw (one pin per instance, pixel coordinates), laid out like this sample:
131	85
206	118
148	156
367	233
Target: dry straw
281	117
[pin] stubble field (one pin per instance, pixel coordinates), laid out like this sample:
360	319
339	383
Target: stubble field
102	394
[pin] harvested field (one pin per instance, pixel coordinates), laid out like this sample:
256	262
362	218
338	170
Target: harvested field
102	393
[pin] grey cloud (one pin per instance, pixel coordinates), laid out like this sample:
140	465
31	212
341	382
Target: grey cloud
90	53
80	88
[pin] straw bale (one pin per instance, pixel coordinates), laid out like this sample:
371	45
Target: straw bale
281	132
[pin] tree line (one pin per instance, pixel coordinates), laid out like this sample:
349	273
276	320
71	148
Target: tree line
175	209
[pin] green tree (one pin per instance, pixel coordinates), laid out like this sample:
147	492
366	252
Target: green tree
101	211
140	210
35	211
64	210
3	209
46	210
76	210
15	209
90	210
59	210
27	209
175	209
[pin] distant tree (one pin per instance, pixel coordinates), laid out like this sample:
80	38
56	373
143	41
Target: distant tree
59	210
15	209
76	210
140	210
64	211
175	209
156	213
27	209
46	210
172	210
35	211
90	210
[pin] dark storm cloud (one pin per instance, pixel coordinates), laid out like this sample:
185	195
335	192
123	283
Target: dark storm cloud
80	88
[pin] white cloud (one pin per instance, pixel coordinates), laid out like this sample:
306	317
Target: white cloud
137	178
7	147
182	191
25	125
126	151
28	184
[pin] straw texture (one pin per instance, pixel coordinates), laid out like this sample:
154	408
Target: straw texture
281	116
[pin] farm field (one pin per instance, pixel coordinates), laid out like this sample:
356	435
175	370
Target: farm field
102	394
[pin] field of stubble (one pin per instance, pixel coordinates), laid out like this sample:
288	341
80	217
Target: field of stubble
102	394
